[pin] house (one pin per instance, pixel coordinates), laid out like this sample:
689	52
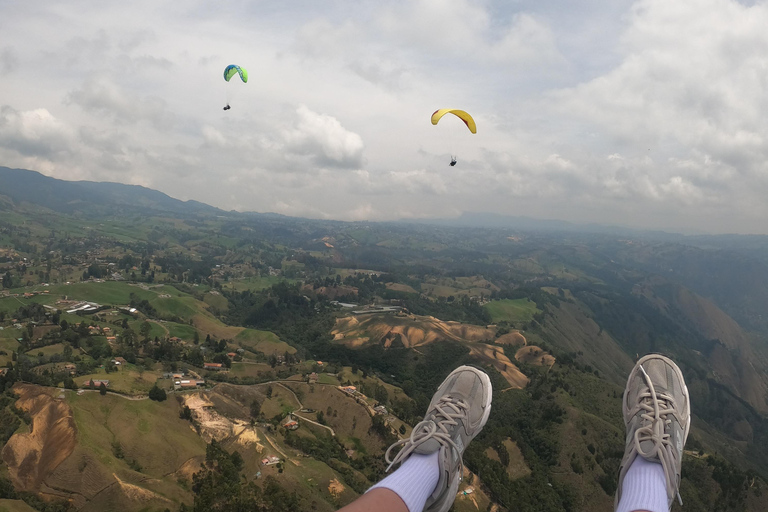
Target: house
111	338
187	384
380	409
120	360
270	460
312	378
177	376
350	390
213	366
291	425
231	354
97	383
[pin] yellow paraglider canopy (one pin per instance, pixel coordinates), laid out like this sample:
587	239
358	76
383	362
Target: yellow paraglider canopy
458	113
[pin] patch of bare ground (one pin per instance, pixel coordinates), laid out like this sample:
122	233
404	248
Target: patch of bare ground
413	330
211	424
494	356
534	355
189	468
135	493
517	468
512	338
31	457
335	488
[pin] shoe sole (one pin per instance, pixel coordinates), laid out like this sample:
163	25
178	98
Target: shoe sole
679	375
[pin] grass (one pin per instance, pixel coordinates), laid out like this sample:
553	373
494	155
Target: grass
14	506
255	283
249	369
47	351
511	310
183	331
262	341
150	432
125	380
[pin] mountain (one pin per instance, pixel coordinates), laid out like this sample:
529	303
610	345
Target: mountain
24	186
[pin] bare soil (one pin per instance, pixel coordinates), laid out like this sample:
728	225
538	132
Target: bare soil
31	457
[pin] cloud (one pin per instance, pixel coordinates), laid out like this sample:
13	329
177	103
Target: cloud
324	140
34	133
105	97
9	61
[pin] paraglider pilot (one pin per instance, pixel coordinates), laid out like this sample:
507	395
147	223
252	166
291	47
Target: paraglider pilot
228	107
453	161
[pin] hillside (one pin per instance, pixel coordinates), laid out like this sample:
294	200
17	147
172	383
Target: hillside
23	186
246	323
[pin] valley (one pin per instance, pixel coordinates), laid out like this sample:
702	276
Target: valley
150	355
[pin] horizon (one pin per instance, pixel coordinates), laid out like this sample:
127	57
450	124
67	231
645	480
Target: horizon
648	113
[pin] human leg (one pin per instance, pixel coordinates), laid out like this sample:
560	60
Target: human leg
430	459
656	409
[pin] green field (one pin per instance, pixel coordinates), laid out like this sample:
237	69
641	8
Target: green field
148	432
249	369
512	310
254	283
125	380
265	342
14	506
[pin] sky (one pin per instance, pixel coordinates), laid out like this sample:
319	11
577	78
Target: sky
649	114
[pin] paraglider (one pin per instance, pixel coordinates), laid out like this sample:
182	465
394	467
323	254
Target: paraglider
231	71
464	116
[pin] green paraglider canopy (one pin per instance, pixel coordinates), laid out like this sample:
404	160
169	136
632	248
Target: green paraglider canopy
233	70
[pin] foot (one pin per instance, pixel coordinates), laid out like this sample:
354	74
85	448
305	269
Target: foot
457	413
657	417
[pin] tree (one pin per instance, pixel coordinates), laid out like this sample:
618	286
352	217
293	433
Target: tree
7	280
102	389
145	329
91	384
402	429
255	408
157	394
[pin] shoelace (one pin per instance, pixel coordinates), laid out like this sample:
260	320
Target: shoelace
446	411
658	409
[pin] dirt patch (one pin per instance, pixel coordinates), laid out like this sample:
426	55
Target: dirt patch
211	424
517	468
189	468
512	338
136	493
413	330
534	355
31	457
494	355
335	488
246	435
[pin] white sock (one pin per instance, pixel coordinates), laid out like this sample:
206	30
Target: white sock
414	481
644	488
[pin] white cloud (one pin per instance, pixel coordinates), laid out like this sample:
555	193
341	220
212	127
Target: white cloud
651	113
324	139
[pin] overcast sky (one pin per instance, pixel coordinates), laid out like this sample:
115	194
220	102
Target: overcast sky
650	114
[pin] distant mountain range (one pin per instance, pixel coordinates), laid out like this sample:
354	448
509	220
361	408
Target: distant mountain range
90	197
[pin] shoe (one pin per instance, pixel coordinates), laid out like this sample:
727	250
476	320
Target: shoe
457	413
657	415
